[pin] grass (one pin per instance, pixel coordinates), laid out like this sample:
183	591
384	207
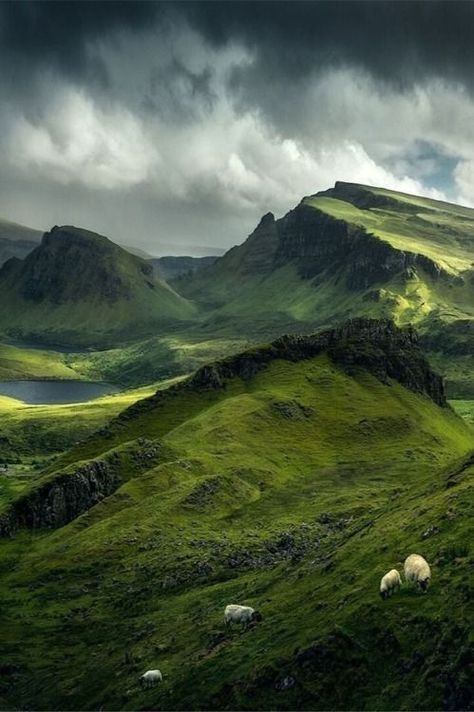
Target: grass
73	274
464	408
440	232
21	363
293	492
32	436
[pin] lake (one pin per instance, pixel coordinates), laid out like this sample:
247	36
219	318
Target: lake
54	392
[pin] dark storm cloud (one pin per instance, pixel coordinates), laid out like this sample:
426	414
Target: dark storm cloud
57	33
397	42
188	120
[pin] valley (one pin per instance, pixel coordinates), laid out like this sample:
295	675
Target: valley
278	435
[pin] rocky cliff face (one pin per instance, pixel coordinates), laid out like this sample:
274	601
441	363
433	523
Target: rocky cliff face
377	346
60	501
66	495
318	243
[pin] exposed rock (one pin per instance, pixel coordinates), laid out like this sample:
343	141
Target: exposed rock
63	498
375	345
292	410
203	493
60	499
431	531
285	683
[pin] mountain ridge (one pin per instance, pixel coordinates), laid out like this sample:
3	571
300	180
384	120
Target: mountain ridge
327	260
76	281
291	488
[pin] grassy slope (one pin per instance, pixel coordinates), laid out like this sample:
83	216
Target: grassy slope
144	302
136	364
443	232
256	507
20	363
31	434
464	408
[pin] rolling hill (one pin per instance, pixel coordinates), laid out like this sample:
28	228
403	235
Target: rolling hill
78	287
351	251
170	267
290	477
16	240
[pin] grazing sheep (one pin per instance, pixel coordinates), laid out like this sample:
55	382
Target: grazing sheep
390	583
150	678
243	615
417	571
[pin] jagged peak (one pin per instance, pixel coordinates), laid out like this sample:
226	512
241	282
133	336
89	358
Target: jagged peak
266	220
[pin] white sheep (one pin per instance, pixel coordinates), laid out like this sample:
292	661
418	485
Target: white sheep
389	583
417	571
243	615
150	678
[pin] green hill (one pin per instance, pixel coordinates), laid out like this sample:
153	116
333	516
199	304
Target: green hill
78	287
352	251
290	478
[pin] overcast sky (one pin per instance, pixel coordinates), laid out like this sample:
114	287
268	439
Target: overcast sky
180	124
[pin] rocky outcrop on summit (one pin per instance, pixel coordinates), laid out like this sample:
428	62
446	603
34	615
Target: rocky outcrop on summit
363	198
377	346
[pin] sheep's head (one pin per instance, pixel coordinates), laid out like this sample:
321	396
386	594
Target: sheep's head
383	595
424	584
257	616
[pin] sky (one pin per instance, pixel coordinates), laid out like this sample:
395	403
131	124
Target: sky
174	126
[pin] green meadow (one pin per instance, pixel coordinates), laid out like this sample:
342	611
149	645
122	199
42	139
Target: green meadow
292	491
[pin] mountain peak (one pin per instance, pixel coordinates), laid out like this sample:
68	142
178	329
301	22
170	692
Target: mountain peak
74	273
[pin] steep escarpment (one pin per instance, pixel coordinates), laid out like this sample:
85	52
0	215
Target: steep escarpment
350	251
64	496
376	346
319	243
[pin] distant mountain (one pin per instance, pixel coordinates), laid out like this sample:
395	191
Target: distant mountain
351	251
79	287
16	240
172	267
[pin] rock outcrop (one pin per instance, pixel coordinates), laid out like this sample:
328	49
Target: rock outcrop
62	497
377	346
317	242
